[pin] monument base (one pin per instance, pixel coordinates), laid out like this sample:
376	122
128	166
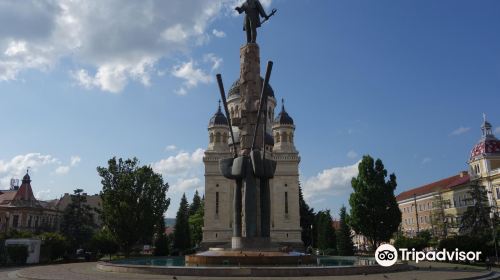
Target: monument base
248	258
236	243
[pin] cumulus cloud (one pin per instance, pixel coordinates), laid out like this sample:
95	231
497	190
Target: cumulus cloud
170	148
111	43
17	166
180	164
64	169
184	169
459	131
336	180
186	184
191	74
352	154
218	33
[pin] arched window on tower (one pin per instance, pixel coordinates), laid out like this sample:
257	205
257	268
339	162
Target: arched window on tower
217	137
211	137
277	137
291	137
232	112
224	138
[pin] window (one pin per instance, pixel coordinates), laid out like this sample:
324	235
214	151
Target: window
216	203
15	221
498	192
286	202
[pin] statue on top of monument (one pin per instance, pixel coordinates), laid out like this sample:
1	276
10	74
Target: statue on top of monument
253	11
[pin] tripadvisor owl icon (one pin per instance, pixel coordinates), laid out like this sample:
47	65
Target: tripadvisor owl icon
386	255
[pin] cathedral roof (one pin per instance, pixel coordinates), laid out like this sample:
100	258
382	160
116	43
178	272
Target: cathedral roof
218	118
488	144
283	117
235	89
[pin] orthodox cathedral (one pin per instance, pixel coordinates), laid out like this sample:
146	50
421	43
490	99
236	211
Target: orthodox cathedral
284	187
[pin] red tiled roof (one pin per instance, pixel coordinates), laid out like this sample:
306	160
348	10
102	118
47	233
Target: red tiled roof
443	184
7	196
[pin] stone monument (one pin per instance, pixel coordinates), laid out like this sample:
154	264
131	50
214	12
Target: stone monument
238	173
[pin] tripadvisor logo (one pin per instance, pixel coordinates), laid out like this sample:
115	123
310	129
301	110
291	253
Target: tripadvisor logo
387	255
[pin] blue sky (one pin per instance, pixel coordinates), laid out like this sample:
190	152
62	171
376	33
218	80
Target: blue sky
405	81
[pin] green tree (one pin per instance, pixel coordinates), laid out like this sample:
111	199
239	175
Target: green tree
326	239
133	201
345	246
104	243
182	236
78	224
195	205
196	224
54	245
439	218
476	219
374	210
161	244
306	219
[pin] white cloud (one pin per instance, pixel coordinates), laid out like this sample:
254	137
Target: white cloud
180	164
426	160
43	194
170	148
336	180
183	185
218	33
17	166
191	75
215	60
460	130
352	154
75	160
111	43
64	169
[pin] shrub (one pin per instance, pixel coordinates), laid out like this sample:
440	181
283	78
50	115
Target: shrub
18	254
419	243
54	246
103	243
468	243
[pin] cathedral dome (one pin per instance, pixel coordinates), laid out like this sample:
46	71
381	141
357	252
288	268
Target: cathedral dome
488	144
235	89
283	117
218	118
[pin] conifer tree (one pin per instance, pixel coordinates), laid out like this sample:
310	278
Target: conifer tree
345	246
306	219
326	239
182	236
195	205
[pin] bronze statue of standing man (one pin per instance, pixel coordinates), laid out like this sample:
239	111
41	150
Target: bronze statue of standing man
253	11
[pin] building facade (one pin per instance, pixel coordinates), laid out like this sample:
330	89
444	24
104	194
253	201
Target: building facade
439	206
20	210
284	187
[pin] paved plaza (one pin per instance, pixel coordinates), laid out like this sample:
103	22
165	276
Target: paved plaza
87	271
